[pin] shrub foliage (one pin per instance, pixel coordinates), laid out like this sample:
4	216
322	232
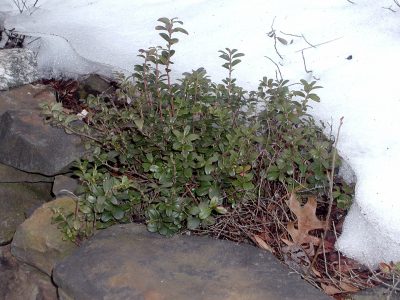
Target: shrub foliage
175	154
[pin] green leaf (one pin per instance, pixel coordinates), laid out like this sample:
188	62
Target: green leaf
177	133
118	213
107	185
139	123
202	190
179	29
152	227
235	62
153	213
164	20
165	37
205	211
159	27
193	223
154	168
91	199
106	216
186	130
314	97
188	172
214	202
214	192
174	41
192	137
85	209
208	169
221	210
194	210
237	55
149	157
272	175
248	186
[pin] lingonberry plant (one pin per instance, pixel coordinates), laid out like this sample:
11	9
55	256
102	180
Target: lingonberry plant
175	154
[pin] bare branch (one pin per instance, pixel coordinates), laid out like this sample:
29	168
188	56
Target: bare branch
304	38
304	62
330	177
389	8
290	34
273	35
277	66
314	46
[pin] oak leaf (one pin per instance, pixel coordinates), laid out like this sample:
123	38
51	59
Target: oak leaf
306	221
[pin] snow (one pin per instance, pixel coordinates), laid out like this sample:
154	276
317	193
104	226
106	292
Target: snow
83	36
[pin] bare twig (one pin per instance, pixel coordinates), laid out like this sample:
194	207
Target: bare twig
331	175
290	34
389	8
320	44
304	62
396	2
351	2
311	45
277	66
273	35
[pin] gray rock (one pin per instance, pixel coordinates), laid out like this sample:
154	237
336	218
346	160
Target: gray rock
26	98
17	202
95	84
20	281
40	243
64	185
17	67
12	175
127	262
26	143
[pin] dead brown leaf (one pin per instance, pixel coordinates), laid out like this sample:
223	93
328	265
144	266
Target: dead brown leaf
306	221
348	287
330	289
262	244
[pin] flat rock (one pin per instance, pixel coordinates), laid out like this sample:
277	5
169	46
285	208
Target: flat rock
40	243
20	281
127	262
26	143
17	202
17	67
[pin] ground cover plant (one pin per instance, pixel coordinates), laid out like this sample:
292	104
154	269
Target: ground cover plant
211	158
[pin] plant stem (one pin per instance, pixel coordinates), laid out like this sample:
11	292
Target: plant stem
331	175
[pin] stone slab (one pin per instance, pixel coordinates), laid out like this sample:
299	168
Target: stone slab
26	143
127	262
